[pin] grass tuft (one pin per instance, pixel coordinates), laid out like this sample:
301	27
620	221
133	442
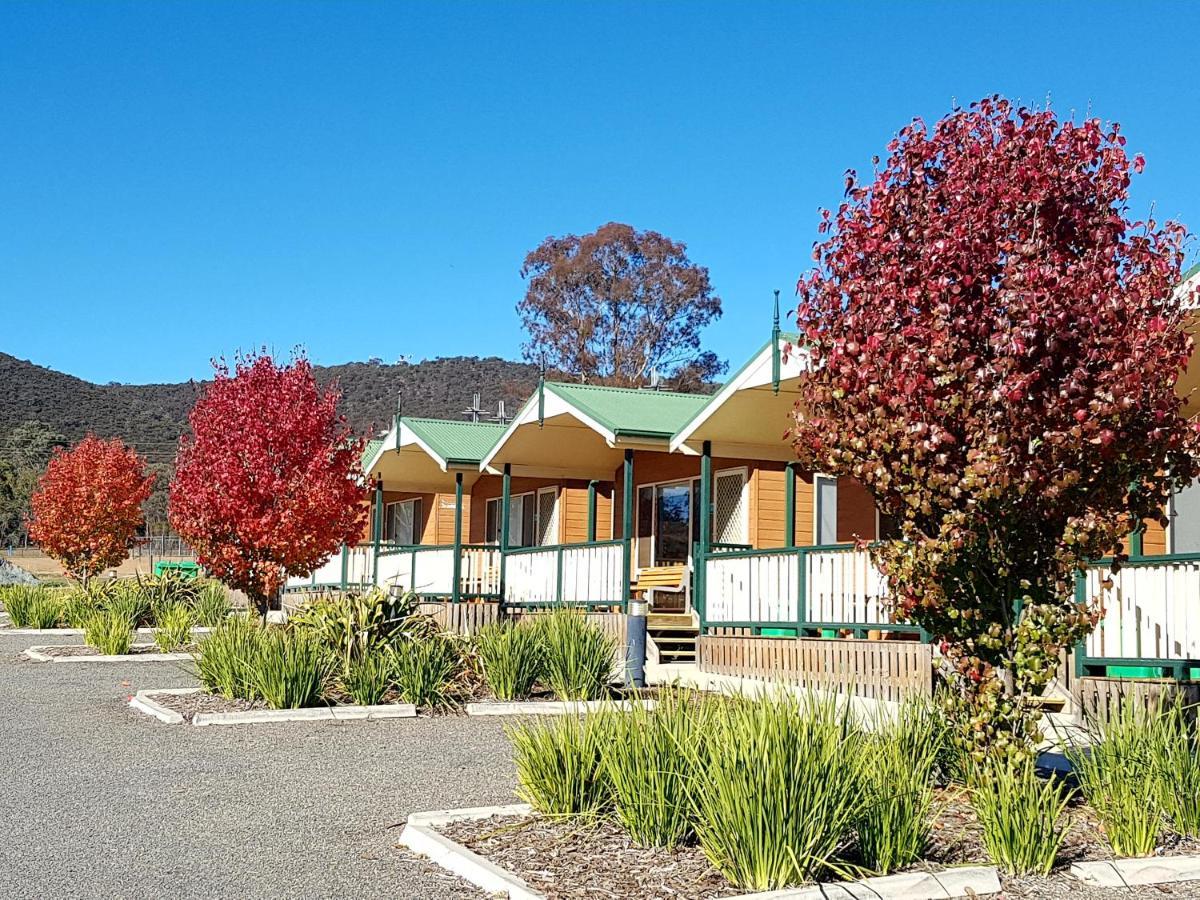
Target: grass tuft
1021	815
109	632
577	655
174	627
560	771
510	657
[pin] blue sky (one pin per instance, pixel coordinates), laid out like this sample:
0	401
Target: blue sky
181	180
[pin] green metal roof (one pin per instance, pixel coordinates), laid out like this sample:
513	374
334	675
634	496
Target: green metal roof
1190	272
369	450
630	411
456	441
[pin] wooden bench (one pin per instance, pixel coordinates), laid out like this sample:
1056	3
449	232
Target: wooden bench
655	580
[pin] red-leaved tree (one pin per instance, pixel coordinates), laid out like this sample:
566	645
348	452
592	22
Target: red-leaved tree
995	349
269	483
88	505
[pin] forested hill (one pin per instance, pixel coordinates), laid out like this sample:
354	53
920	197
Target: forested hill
152	416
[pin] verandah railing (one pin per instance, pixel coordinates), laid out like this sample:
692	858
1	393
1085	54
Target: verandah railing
429	570
584	574
1150	609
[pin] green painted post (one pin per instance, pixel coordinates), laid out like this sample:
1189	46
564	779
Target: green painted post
801	591
789	505
775	361
456	591
378	536
1080	599
558	581
705	514
505	504
591	529
1136	545
345	565
627	528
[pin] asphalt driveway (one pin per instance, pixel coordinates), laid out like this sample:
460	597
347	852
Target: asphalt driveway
99	801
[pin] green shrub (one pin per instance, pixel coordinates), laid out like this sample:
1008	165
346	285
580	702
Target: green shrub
128	600
174	627
898	770
351	625
781	788
577	655
225	658
1020	814
210	604
79	607
649	757
1117	774
423	670
162	592
368	678
510	657
109	632
560	771
33	606
290	669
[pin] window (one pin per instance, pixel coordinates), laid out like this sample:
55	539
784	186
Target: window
731	508
825	527
400	521
532	519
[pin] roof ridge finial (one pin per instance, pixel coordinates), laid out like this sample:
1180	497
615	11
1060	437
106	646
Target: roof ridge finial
398	417
542	393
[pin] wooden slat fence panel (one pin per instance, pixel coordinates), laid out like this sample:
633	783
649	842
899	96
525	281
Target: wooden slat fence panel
881	670
1101	697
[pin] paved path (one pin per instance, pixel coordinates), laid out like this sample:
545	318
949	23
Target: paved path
99	801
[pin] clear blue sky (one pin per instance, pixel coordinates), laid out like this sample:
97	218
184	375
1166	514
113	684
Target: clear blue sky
181	180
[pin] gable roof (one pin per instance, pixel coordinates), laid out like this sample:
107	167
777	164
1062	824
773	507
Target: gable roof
630	411
370	448
455	441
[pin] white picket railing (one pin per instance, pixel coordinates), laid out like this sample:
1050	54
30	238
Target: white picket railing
752	587
430	570
845	587
358	570
591	573
1148	610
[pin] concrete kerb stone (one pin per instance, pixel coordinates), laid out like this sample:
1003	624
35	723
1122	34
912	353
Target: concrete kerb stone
144	702
38	654
76	632
1120	873
548	707
311	714
421	836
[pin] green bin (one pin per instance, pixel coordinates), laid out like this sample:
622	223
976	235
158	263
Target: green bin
779	632
185	569
829	633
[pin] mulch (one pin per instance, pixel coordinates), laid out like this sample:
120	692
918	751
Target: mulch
188	705
570	859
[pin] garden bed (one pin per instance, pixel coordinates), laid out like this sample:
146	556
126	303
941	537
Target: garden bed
193	706
62	653
566	859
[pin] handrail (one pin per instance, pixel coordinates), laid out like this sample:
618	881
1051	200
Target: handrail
550	548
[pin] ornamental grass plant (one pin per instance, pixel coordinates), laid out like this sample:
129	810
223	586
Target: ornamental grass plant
210	604
368	679
650	756
510	658
289	670
560	770
1119	772
424	669
1176	763
577	655
32	606
225	659
109	632
1021	814
173	628
782	788
898	768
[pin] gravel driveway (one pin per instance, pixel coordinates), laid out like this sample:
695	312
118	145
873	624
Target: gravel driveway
99	801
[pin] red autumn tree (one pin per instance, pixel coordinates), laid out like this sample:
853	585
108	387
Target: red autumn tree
268	484
995	348
88	505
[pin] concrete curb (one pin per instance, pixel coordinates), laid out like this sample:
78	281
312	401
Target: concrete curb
311	714
143	702
36	654
547	707
421	836
1120	873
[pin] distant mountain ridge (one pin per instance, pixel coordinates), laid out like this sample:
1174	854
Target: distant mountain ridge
151	417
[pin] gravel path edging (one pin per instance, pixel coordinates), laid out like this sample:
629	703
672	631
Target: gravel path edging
37	655
546	707
1123	873
143	702
420	835
311	714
